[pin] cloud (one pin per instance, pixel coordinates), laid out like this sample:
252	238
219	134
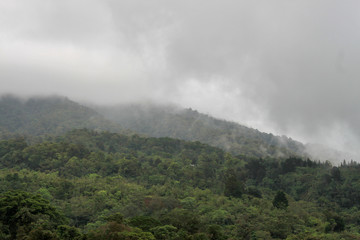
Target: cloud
289	67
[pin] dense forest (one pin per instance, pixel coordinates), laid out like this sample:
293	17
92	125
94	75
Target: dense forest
101	185
67	174
48	115
171	121
57	115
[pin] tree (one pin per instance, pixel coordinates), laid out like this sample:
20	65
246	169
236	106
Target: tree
165	232
22	209
233	186
335	173
215	232
335	222
145	223
182	219
280	201
256	169
66	232
116	217
290	164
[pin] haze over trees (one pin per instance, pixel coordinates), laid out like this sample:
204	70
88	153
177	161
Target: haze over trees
56	115
118	161
96	184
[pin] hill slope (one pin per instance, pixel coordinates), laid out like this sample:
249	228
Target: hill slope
113	186
56	115
51	115
187	124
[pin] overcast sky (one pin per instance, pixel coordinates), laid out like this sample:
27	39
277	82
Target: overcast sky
288	67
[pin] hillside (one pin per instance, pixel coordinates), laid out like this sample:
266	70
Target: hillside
50	115
57	115
187	124
98	185
94	184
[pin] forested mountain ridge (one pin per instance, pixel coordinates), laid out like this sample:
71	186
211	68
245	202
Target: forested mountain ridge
48	115
94	184
187	124
57	115
100	185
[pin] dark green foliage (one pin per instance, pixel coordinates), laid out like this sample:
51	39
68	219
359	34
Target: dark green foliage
290	164
182	219
335	223
280	200
335	174
215	232
20	209
115	186
145	223
66	232
117	217
233	186
254	192
118	231
112	186
40	234
165	232
187	124
256	169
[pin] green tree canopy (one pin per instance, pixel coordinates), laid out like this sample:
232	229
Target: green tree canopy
23	209
280	200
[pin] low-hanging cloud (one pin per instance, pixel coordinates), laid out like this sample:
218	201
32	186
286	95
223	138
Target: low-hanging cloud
284	66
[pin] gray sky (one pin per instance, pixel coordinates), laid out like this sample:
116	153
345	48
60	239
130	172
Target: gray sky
288	67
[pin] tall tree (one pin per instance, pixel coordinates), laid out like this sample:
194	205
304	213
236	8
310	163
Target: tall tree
21	209
233	186
280	200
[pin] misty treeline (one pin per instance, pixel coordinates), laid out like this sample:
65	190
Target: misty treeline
57	115
187	124
90	184
71	172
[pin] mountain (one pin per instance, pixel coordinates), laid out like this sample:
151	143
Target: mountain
50	115
187	124
39	116
95	185
57	115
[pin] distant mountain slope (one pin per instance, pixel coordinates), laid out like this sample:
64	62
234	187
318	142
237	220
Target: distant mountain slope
50	115
187	124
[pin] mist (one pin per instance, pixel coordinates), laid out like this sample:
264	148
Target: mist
286	67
